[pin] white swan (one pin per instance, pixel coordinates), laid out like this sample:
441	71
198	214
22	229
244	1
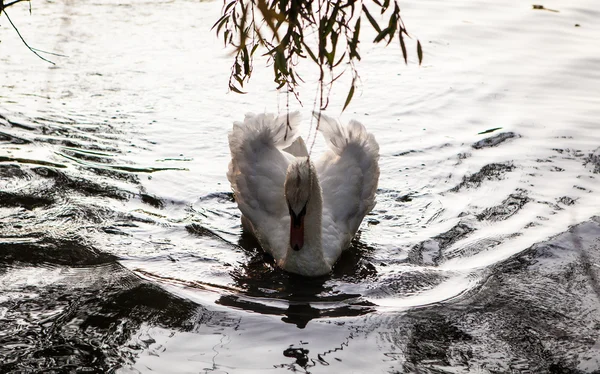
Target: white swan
303	214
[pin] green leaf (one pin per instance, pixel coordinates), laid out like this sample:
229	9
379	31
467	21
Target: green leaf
403	46
349	97
280	27
371	19
337	77
310	53
334	40
332	19
270	16
353	43
235	89
246	58
340	60
393	24
281	84
356	33
226	37
279	23
386	3
223	23
280	62
239	80
221	19
228	7
329	58
297	43
382	34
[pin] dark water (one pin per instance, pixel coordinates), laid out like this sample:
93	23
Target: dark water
120	243
68	306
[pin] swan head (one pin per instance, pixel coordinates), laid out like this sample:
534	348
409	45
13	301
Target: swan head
297	187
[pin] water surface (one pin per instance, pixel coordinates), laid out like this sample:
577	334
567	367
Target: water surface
121	248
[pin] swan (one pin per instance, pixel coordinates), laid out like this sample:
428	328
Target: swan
303	213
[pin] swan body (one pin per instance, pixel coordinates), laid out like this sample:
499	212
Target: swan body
303	213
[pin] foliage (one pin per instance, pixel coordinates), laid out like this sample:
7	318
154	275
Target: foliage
326	32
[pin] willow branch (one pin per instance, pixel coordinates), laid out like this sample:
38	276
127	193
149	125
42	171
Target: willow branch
20	36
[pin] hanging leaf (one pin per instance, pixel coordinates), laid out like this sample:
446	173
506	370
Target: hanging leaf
286	28
371	19
385	32
340	60
221	20
334	40
349	97
235	89
353	43
386	4
226	37
310	53
270	16
393	24
403	46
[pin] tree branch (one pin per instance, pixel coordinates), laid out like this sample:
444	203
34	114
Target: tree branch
4	6
282	26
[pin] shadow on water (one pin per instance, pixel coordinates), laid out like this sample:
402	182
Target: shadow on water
266	289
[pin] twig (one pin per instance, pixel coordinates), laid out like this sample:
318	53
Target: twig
4	6
11	3
20	36
49	53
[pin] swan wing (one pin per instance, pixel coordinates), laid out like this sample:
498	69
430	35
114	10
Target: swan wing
348	173
257	173
297	148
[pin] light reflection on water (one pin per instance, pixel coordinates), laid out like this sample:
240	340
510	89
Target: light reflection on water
118	224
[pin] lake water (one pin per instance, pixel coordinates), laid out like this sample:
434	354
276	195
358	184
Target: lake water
121	248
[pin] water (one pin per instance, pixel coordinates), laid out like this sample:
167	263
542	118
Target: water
121	248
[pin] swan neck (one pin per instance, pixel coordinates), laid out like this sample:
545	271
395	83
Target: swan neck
314	215
310	260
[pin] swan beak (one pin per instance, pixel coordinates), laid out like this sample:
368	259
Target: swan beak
297	227
297	233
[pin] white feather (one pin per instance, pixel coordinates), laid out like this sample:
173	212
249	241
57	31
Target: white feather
262	148
349	173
